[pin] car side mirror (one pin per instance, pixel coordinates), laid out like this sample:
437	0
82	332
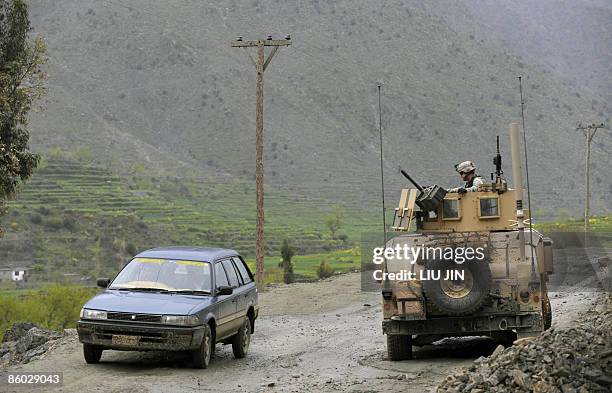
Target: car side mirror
224	290
103	282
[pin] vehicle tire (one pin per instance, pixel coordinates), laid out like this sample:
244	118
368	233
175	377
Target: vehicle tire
458	297
508	338
399	347
546	312
202	355
242	339
92	353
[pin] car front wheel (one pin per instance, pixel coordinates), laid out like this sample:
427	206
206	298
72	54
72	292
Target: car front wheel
202	355
92	353
241	341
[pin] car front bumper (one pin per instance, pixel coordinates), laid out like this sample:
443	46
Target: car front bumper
139	337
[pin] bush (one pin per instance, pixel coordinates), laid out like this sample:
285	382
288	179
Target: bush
70	223
54	307
325	270
45	211
287	252
130	249
36	219
54	223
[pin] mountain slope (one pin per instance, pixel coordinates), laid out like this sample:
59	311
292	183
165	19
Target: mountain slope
156	83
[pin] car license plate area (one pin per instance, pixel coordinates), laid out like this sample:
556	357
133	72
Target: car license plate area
128	341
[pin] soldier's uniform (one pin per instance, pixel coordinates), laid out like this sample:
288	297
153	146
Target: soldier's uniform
471	185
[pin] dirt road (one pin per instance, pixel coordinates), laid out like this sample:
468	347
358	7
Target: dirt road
323	336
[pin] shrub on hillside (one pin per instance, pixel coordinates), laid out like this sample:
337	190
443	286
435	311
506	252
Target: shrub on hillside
325	270
54	223
70	223
287	252
36	219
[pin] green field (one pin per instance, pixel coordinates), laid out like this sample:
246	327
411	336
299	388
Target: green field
596	224
72	217
305	266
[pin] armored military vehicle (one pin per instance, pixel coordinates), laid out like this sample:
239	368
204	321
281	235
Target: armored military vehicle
502	294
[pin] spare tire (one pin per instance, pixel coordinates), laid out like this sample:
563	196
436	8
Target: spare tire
456	296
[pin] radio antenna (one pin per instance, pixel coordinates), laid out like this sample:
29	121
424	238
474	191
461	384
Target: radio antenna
527	174
382	172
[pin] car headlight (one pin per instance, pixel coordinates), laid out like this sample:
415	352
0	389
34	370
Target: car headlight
183	320
92	314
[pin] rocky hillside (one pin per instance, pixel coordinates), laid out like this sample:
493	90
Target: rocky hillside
570	39
157	84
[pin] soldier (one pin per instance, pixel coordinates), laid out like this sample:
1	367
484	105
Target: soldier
467	171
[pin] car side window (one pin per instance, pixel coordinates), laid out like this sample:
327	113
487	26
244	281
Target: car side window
220	276
247	277
231	273
240	280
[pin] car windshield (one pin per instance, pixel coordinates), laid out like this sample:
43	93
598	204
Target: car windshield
164	275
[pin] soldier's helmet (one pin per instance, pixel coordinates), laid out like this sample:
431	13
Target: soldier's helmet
465	167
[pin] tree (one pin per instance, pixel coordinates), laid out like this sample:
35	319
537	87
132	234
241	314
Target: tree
21	82
287	252
334	220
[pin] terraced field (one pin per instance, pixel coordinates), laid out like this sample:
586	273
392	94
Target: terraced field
80	218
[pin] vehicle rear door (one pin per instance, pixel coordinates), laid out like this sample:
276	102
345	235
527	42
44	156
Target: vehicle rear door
226	304
248	295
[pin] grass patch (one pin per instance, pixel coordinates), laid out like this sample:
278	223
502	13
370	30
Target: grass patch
54	307
305	266
596	224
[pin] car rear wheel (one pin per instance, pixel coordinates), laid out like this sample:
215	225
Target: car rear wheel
92	353
202	355
399	347
241	341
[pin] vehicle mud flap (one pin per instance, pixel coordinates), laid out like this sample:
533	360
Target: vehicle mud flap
457	297
399	347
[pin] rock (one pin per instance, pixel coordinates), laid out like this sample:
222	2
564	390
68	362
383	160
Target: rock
497	377
604	380
604	261
561	360
17	331
519	377
567	388
498	350
7	347
70	332
27	341
561	372
36	337
523	341
543	387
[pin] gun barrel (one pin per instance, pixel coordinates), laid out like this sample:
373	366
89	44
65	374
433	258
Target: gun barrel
407	176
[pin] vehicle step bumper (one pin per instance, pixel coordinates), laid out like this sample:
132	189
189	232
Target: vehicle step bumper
523	324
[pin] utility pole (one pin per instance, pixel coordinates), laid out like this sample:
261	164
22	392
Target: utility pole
589	132
260	66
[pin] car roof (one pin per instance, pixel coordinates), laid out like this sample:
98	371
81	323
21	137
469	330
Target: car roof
204	254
